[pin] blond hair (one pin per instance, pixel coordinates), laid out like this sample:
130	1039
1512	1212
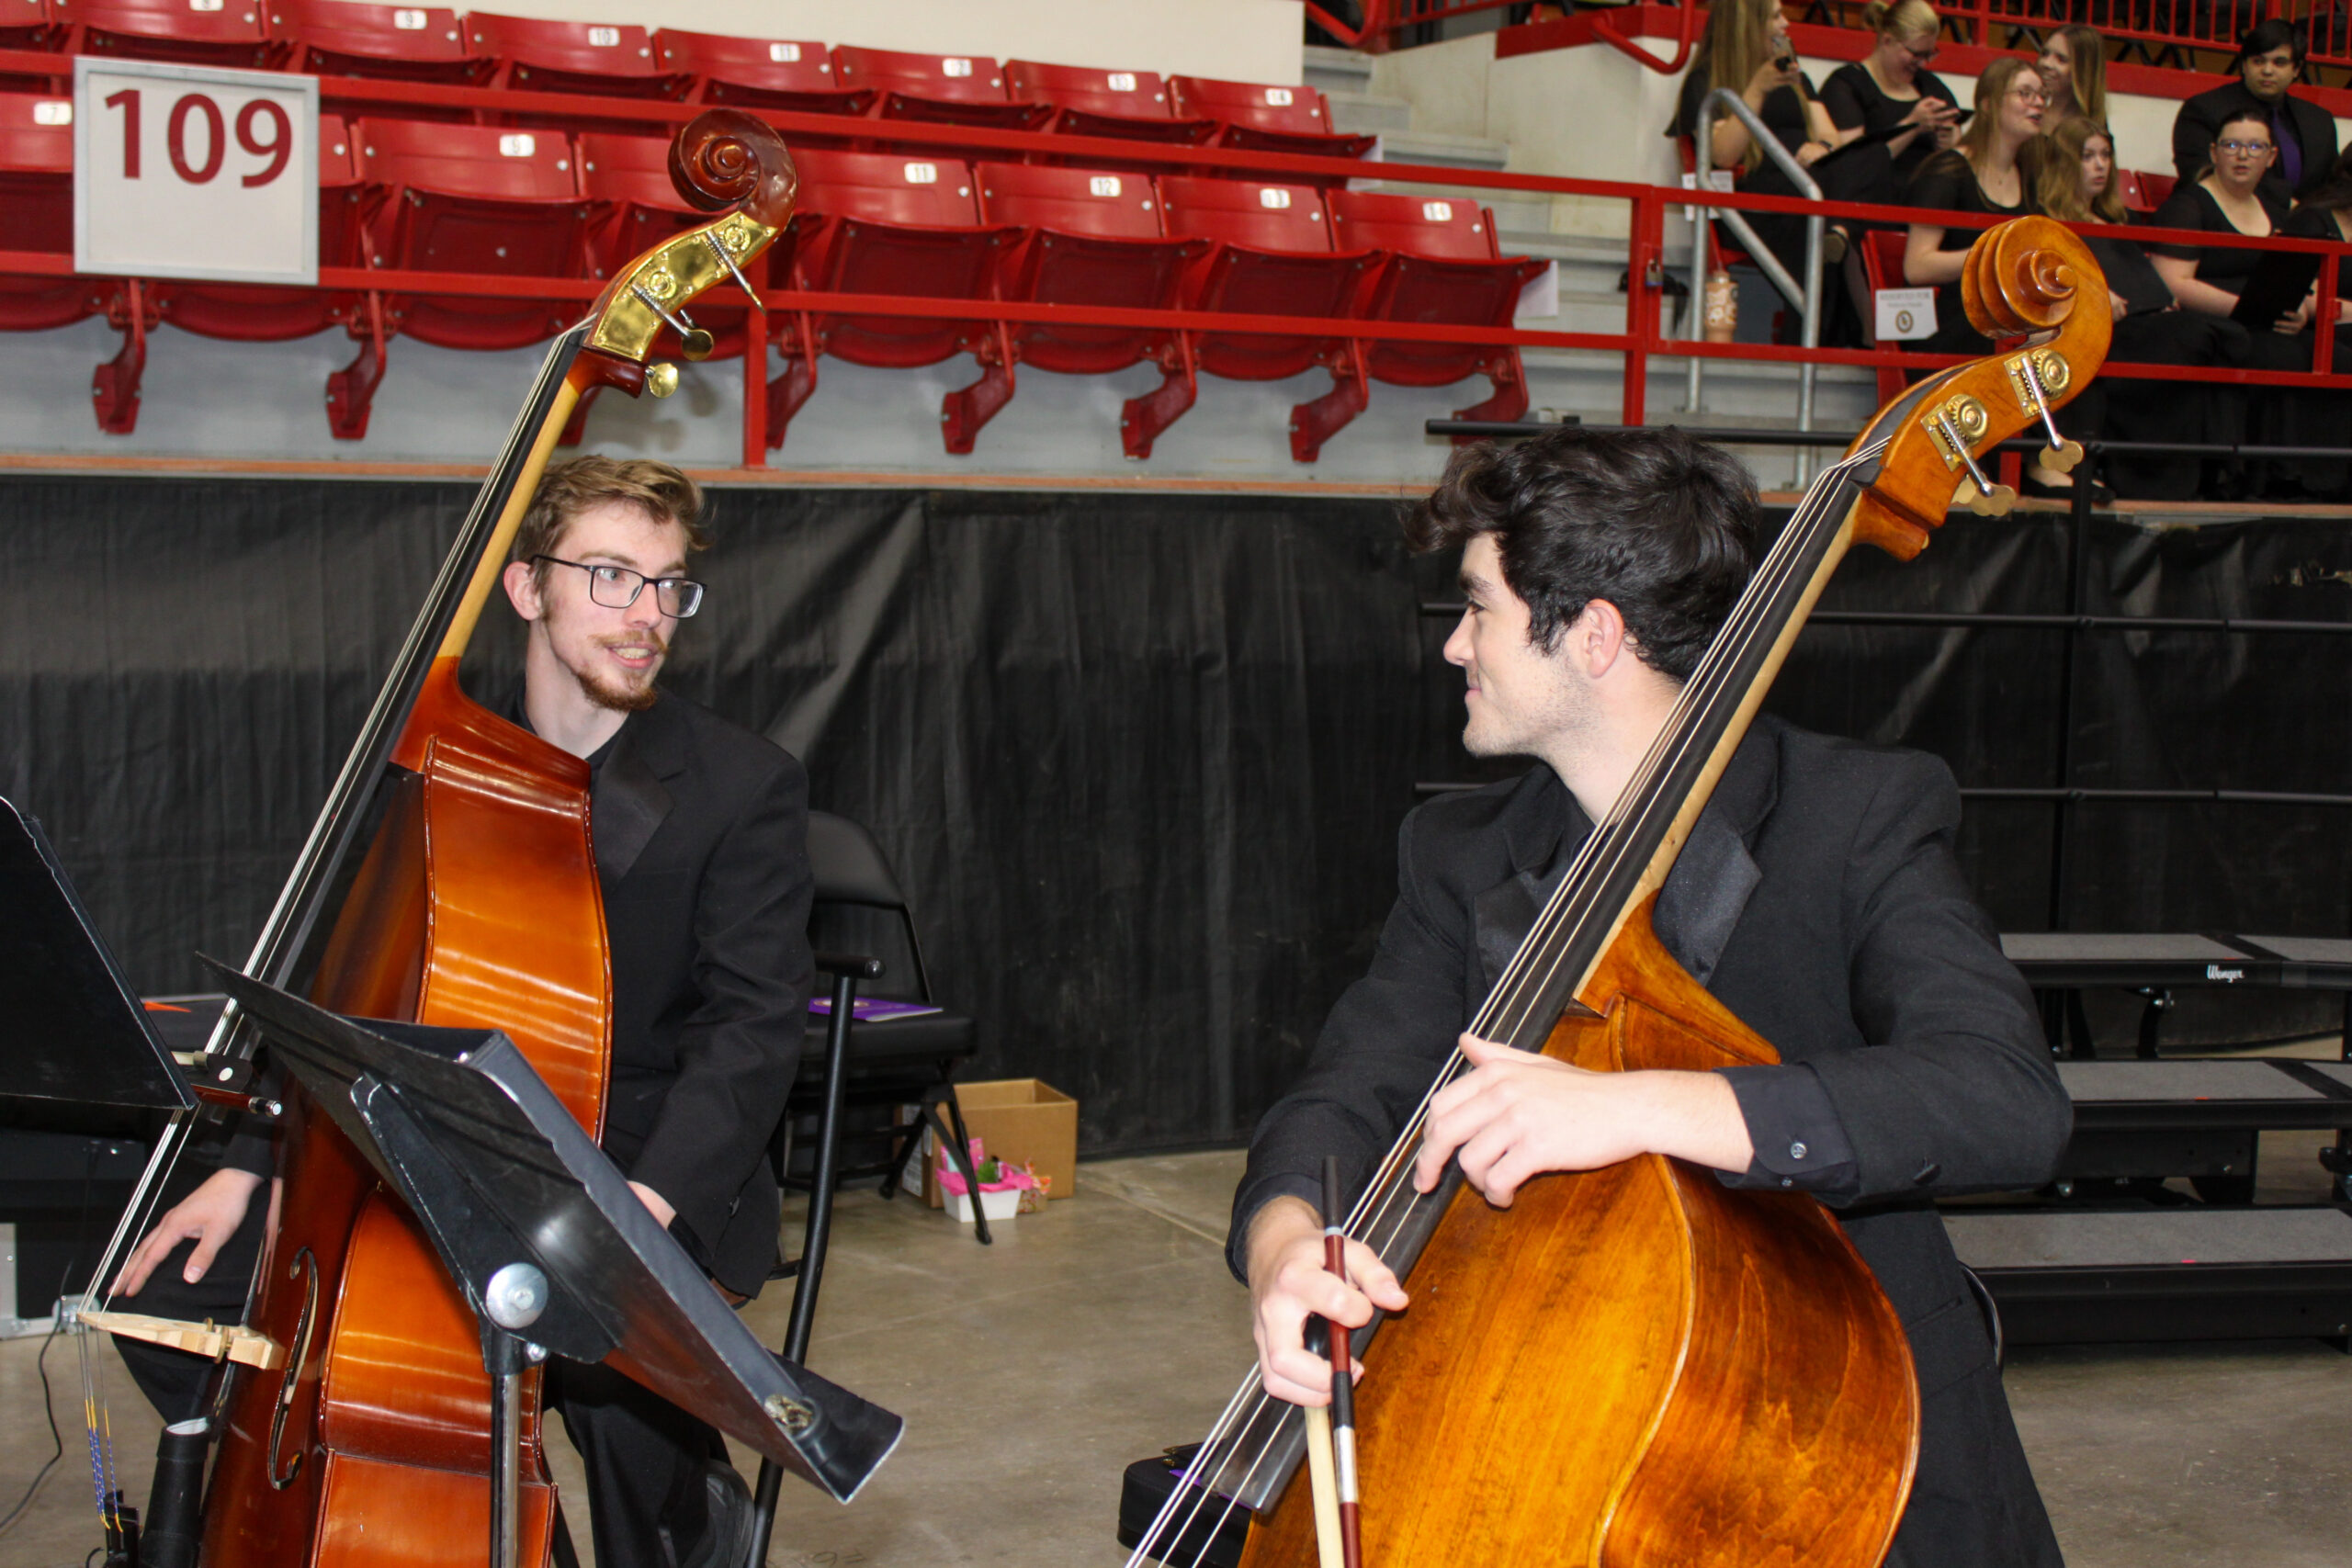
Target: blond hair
2058	185
2086	75
583	483
1738	39
1903	20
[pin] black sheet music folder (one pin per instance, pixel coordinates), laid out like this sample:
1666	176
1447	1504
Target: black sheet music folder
77	1036
498	1172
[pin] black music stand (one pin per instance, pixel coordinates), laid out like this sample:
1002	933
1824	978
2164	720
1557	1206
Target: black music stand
543	1235
80	1036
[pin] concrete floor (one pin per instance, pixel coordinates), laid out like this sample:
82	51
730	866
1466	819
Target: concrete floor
1031	1372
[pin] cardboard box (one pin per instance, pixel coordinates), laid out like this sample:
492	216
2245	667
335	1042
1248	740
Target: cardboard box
1021	1120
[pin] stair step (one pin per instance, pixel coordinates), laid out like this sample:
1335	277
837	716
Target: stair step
1361	114
1439	147
1338	70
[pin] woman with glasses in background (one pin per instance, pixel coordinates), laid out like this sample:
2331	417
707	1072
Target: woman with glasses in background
2076	184
2233	195
1889	95
1989	177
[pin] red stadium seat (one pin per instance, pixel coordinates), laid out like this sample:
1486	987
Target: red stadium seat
1088	237
229	34
1087	102
249	313
2134	195
405	43
570	57
37	214
27	24
37	211
1882	268
885	223
1274	257
764	74
1444	267
1267	119
2155	187
471	198
951	88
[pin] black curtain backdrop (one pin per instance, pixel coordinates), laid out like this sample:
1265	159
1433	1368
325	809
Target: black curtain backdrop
1139	758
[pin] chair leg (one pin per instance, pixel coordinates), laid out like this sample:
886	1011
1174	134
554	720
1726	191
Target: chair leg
959	1149
789	391
1142	420
1509	400
819	1227
114	386
1314	423
965	410
351	391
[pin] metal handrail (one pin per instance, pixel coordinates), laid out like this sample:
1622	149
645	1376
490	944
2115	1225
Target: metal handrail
1806	299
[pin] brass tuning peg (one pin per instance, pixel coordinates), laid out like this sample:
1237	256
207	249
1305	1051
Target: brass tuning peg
696	342
2031	372
661	380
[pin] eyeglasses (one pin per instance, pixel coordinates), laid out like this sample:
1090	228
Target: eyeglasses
617	588
1921	55
2243	149
2030	95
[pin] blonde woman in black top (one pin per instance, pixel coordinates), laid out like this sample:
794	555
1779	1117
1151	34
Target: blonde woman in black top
1890	95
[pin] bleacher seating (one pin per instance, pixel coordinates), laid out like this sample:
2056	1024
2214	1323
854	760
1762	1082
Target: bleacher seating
37	211
404	44
950	89
761	73
1882	268
569	196
1445	267
469	198
1087	102
233	35
1267	119
1273	256
25	24
885	223
540	56
1088	237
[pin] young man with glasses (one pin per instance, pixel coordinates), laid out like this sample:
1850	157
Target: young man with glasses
700	831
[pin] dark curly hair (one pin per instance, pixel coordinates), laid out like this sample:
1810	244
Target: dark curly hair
1659	525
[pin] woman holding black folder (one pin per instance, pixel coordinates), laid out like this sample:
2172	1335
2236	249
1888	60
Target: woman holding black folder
2230	199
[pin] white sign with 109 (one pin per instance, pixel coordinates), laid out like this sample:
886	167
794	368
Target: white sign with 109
181	171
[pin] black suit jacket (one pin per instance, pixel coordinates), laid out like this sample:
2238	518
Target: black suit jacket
701	837
2199	121
1819	898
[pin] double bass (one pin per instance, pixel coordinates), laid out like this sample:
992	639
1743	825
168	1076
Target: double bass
1637	1365
449	879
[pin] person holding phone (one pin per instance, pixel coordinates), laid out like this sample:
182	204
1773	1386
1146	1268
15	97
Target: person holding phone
1890	95
1745	48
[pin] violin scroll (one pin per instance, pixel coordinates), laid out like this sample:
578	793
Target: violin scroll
2031	278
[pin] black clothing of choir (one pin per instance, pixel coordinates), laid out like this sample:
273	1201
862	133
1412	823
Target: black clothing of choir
1853	97
1948	182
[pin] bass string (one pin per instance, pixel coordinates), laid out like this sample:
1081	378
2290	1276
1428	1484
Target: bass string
1526	976
1524	979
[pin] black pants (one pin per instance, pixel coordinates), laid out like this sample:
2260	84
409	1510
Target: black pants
645	1456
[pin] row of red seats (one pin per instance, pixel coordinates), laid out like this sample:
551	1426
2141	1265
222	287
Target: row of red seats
429	196
330	38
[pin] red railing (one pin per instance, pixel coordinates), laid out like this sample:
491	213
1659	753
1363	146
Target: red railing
1646	260
2165	32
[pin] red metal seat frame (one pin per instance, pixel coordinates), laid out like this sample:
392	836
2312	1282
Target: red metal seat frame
1087	237
749	72
1136	104
1444	266
946	89
236	35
